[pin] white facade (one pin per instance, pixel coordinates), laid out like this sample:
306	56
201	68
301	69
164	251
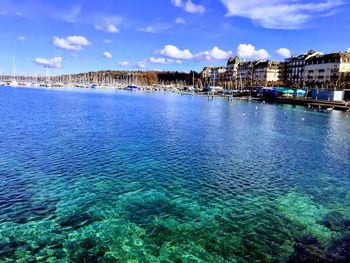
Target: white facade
232	69
330	67
267	71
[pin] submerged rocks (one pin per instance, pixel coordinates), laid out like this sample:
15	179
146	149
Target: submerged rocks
340	252
335	221
77	220
8	249
90	249
305	213
308	250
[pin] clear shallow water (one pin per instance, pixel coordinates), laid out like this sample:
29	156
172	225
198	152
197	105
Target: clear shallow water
101	176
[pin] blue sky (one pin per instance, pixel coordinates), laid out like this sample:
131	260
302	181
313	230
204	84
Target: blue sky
77	36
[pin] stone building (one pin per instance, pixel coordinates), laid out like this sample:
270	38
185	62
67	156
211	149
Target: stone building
232	68
295	66
245	72
213	75
267	72
330	68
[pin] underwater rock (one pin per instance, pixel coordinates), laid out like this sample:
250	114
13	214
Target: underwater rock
87	250
88	243
8	249
142	213
307	249
304	212
335	221
60	254
340	252
77	220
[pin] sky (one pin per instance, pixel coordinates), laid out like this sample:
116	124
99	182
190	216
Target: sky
71	36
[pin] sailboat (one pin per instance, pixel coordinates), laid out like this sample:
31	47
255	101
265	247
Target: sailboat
213	87
13	82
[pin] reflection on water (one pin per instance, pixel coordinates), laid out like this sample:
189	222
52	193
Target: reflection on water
101	176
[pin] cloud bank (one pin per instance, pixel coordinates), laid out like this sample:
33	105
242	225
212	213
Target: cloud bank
280	14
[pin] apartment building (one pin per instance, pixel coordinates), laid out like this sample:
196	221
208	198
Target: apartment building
327	68
232	68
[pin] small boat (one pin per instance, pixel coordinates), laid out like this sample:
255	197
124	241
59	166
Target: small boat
22	84
131	87
12	83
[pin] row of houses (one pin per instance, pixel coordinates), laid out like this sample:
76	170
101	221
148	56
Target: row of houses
311	68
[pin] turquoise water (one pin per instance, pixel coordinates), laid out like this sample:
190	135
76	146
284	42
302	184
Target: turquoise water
113	176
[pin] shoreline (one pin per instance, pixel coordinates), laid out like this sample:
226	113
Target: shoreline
306	102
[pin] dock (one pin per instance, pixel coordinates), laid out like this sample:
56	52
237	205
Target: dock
308	102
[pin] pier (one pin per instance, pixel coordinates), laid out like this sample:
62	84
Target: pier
308	102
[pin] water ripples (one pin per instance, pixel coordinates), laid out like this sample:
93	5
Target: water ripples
131	177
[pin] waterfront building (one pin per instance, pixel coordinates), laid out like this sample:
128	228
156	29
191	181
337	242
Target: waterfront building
295	66
232	68
206	73
245	72
328	68
218	74
267	72
213	74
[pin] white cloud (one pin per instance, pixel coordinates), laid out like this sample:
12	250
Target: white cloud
174	52
192	8
280	14
112	28
141	64
21	38
189	6
180	21
107	54
109	24
348	49
108	28
49	63
72	15
248	51
284	52
214	54
124	64
157	28
148	29
75	43
177	3
107	41
153	60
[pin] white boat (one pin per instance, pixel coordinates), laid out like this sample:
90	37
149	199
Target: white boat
215	88
22	84
13	82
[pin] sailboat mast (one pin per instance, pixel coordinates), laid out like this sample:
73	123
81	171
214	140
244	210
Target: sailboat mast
14	68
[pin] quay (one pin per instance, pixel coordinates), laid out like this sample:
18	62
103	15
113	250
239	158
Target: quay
308	102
